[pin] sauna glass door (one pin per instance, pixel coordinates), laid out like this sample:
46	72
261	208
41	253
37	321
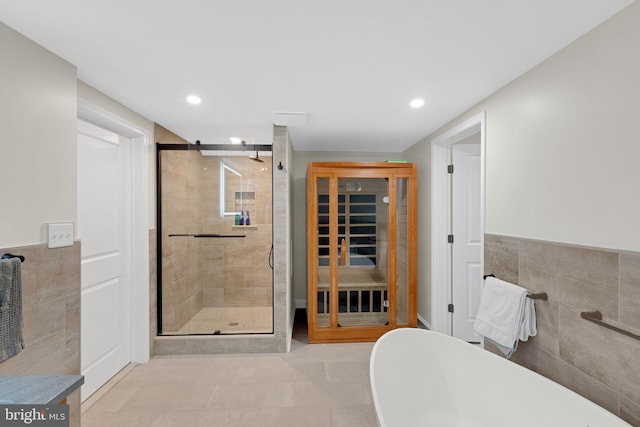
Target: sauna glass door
363	297
352	226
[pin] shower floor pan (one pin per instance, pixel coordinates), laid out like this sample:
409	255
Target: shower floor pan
228	320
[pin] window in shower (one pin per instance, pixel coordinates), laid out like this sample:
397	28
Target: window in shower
214	277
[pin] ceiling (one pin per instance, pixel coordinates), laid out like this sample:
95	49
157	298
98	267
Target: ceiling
351	65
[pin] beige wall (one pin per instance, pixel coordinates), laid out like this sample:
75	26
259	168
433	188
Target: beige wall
38	172
562	143
93	97
421	154
38	139
300	161
561	150
97	108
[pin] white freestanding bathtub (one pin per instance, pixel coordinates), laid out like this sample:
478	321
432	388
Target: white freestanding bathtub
424	378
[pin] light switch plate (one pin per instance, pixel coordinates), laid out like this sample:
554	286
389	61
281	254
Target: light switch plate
60	234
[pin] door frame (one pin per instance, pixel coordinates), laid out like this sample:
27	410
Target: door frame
140	205
441	263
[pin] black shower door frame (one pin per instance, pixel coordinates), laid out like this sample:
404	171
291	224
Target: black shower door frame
184	147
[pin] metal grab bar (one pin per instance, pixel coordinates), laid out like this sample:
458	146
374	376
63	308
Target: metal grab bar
595	316
537	295
209	236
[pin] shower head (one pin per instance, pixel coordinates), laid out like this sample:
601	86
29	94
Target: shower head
256	158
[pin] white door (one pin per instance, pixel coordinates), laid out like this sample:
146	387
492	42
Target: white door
466	274
104	221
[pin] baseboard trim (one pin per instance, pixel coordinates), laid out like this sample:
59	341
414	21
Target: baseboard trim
424	322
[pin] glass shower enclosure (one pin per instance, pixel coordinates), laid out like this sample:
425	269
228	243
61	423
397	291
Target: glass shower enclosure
214	239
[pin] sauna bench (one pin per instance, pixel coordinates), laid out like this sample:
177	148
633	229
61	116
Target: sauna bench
355	278
38	390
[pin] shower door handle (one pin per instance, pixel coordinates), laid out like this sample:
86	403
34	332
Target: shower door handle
214	236
209	236
271	257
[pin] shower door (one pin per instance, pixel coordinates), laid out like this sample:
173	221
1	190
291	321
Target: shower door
214	240
361	249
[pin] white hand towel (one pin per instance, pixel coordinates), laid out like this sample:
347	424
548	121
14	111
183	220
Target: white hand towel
505	315
528	326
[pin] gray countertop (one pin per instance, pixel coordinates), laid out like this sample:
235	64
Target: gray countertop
37	390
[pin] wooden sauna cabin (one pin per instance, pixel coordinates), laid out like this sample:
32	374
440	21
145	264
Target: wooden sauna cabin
362	230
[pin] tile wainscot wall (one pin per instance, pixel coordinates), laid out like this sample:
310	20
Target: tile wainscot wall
598	363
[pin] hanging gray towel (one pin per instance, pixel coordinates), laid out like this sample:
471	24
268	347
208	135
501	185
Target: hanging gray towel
11	341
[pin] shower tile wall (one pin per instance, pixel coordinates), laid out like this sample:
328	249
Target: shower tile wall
182	294
595	362
236	271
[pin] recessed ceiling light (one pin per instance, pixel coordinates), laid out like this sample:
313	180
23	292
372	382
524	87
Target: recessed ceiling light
194	99
417	103
235	140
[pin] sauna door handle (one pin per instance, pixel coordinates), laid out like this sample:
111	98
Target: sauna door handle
343	252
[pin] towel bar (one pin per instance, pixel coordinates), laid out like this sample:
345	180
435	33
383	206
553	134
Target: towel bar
596	317
538	295
7	256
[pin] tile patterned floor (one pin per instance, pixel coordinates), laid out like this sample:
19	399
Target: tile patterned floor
323	385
